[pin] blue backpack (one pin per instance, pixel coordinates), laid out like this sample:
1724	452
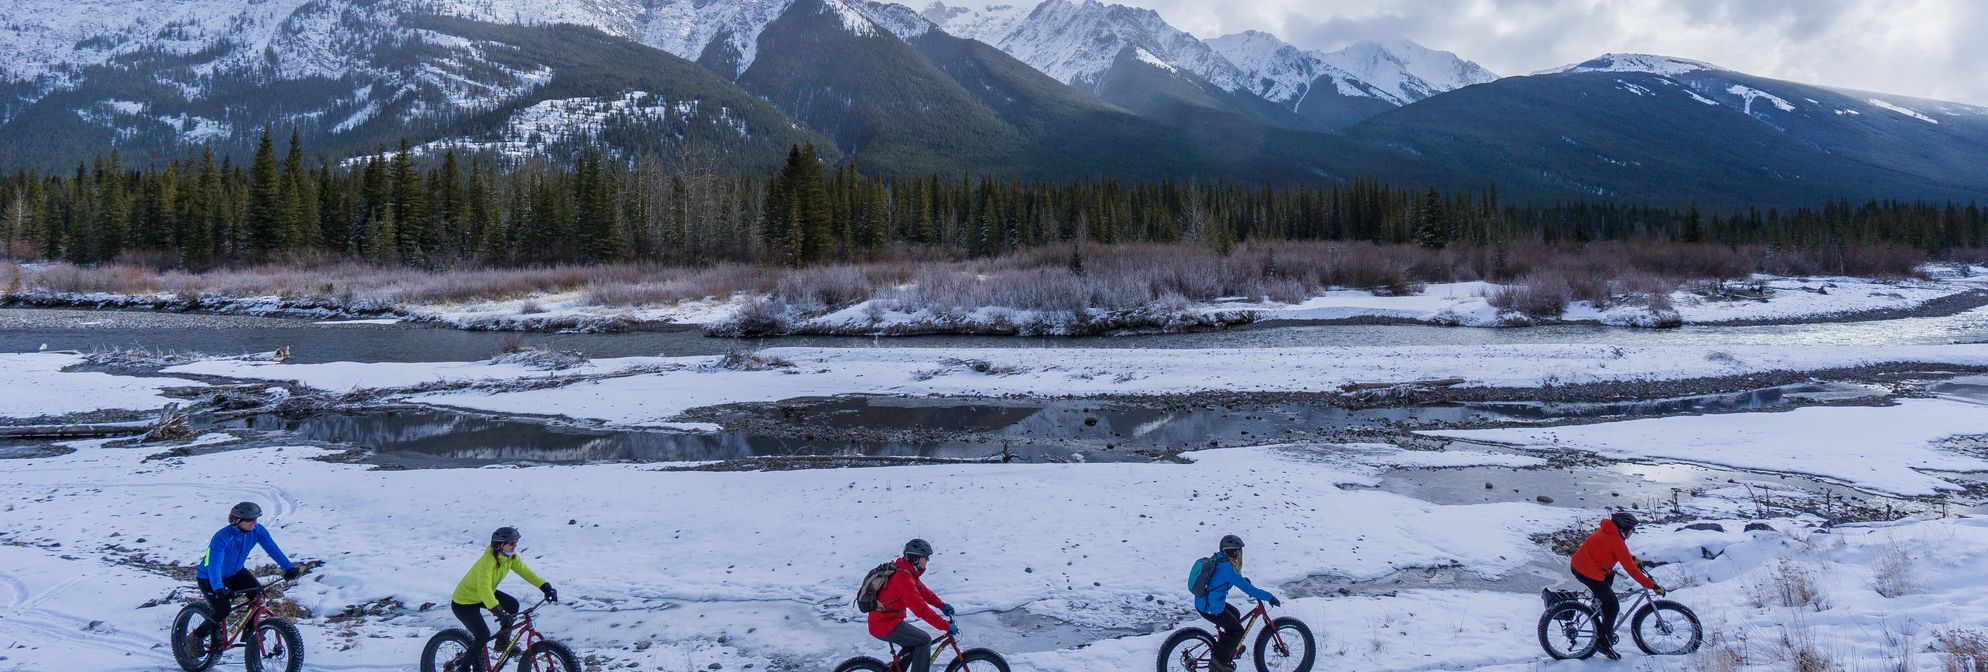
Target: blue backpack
1199	578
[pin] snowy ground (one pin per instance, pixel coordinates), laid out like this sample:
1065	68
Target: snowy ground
669	386
1067	567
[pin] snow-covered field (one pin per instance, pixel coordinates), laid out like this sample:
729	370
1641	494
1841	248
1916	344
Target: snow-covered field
1065	567
666	387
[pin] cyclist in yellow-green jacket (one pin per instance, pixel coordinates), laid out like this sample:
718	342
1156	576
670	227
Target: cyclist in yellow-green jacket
478	589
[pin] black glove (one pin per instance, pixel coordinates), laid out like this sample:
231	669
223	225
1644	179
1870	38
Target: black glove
1276	602
551	594
224	594
503	615
292	573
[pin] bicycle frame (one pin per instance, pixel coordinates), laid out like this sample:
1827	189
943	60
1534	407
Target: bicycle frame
246	618
1261	614
523	638
900	660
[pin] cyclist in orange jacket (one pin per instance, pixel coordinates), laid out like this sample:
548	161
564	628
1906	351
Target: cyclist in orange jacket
1594	566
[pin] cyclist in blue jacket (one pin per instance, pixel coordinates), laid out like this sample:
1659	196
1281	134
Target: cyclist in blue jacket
222	573
1215	605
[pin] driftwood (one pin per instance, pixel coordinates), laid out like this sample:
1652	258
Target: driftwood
1439	382
171	426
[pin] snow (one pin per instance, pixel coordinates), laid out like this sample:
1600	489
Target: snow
1903	110
34	385
1749	94
1406	71
771	557
660	389
1147	57
1878	449
1694	96
1645	63
1632	88
1076	41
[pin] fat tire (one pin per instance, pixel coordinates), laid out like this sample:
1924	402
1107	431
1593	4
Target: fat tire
183	625
1297	627
1549	626
983	660
557	651
1684	612
1182	637
862	664
293	641
428	651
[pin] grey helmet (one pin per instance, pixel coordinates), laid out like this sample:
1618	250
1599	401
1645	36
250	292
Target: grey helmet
918	548
1624	522
505	535
1231	542
245	511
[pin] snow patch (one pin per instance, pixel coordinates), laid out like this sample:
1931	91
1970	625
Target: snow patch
1750	94
1904	110
1645	63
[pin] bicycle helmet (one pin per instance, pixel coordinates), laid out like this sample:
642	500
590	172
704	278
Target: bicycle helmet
918	548
1232	543
245	511
1624	521
504	535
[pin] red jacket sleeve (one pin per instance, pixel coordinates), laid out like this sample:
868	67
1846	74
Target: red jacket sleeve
931	598
1620	550
905	591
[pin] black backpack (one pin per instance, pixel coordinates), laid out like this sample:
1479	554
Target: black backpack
873	583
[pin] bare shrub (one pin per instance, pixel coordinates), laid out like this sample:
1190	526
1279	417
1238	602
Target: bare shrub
1791	584
1721	653
549	360
530	307
1798	647
748	360
826	288
1542	295
1891	576
1962	650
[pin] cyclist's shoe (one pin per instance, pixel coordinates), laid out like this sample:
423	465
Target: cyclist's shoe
1606	647
1219	665
196	645
1240	649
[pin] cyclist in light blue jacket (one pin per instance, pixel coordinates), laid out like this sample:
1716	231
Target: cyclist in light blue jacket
222	570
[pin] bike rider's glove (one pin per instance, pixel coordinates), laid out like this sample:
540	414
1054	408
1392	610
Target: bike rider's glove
551	594
503	615
952	629
292	573
1276	602
224	594
946	609
1660	591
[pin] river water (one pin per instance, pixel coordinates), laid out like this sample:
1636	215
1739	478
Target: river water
29	329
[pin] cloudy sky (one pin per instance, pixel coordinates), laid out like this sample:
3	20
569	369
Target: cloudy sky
1927	48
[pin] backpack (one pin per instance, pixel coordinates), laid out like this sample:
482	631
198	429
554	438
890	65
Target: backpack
1202	574
873	583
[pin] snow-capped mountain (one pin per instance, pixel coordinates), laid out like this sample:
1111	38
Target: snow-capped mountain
1659	127
1080	41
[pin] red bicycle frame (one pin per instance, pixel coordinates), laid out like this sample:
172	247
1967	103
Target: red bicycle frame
1260	614
523	638
899	658
246	618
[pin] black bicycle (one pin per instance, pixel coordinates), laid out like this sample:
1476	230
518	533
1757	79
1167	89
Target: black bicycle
1571	628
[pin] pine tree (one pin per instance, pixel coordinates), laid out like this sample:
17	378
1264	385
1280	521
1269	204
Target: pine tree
265	222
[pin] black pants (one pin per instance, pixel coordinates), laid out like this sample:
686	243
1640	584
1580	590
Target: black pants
1228	633
916	644
1604	591
471	616
241	580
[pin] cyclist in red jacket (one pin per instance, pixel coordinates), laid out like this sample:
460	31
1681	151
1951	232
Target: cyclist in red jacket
906	591
1594	566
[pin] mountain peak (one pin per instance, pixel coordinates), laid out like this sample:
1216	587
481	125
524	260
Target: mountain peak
1407	71
1646	63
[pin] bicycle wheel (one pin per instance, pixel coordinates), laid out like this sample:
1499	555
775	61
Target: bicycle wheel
862	664
190	617
1291	649
551	656
1187	650
275	646
449	651
978	660
1666	628
1569	630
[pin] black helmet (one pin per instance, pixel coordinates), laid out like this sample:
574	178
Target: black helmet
1624	521
1232	542
918	548
504	535
245	511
